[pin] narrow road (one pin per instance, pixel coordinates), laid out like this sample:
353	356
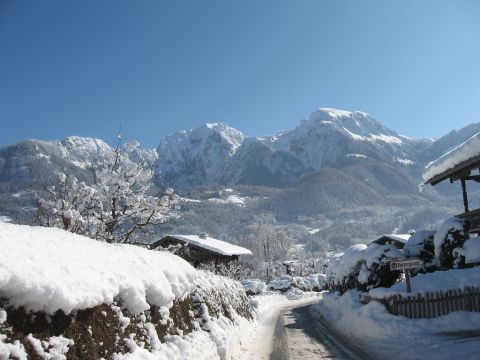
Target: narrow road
301	333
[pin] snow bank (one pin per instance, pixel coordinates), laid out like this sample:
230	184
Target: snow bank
396	337
439	280
461	153
46	269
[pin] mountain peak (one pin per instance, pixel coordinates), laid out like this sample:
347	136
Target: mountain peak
358	125
197	156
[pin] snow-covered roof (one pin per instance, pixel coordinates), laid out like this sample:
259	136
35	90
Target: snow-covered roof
463	156
402	238
214	245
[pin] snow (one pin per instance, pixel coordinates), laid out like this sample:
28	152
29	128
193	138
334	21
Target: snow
397	337
208	147
196	345
415	243
354	136
254	341
336	112
398	237
406	162
46	269
217	246
340	265
359	156
49	269
254	286
374	253
454	157
436	281
231	199
449	224
11	351
386	138
55	348
19	194
471	250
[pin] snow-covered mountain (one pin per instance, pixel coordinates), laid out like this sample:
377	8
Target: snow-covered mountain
340	172
218	154
74	153
196	157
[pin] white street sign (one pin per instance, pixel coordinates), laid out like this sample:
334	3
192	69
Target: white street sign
405	264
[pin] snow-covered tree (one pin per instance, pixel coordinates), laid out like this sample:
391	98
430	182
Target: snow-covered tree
119	205
269	247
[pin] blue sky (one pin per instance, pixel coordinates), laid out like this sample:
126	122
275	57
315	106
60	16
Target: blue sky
150	68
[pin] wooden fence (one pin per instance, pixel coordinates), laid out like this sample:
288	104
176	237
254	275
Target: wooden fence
432	304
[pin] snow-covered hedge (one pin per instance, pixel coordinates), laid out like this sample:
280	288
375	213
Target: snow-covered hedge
362	267
366	267
108	300
48	269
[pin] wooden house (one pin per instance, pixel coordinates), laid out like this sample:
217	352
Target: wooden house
201	249
397	240
461	165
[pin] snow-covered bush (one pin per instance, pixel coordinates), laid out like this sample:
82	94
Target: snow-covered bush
316	282
343	268
282	283
451	235
362	267
254	286
420	245
375	270
313	282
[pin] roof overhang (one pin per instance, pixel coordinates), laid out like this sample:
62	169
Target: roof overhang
457	172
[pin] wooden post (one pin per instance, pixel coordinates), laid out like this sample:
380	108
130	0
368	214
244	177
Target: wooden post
407	281
465	196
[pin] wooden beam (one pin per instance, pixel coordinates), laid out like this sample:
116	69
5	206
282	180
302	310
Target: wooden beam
475	178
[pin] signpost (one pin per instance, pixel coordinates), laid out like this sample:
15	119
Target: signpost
406	265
